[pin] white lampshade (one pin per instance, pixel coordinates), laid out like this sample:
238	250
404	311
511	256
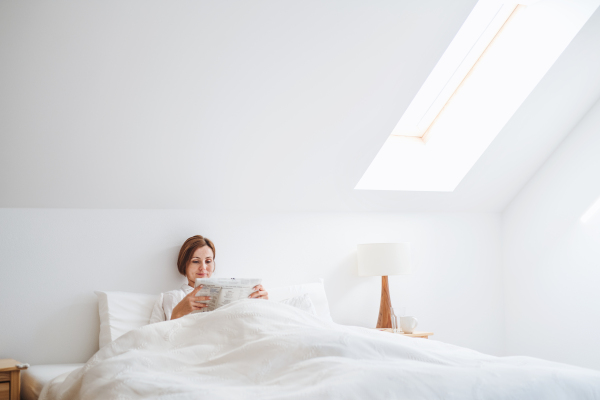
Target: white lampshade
382	259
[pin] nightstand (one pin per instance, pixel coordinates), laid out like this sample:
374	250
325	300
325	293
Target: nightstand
424	335
10	380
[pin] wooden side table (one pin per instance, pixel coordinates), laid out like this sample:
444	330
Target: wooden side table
424	335
10	379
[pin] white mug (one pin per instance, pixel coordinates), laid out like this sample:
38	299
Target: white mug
408	324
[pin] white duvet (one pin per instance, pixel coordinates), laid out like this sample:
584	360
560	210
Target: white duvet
258	350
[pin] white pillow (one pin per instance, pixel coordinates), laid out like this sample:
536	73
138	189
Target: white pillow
121	312
316	292
302	302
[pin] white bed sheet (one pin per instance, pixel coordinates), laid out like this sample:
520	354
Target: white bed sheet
266	350
34	378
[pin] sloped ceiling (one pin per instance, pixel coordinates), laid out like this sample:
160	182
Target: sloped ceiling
262	105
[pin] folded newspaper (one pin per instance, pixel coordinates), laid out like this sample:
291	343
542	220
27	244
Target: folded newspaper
224	290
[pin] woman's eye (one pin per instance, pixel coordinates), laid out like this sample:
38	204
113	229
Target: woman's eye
208	261
195	262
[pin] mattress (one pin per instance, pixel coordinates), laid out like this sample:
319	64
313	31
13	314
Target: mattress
35	377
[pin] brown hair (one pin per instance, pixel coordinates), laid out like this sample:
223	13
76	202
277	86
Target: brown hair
188	248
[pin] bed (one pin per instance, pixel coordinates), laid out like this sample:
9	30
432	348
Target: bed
275	350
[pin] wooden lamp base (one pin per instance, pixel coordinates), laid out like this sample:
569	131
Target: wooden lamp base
385	315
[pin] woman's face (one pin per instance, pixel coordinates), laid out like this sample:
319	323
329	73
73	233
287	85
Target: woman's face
201	265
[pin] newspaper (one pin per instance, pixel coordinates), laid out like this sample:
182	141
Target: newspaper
224	290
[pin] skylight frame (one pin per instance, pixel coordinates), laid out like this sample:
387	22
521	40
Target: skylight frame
477	34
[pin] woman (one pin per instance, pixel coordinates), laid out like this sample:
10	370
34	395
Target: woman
196	260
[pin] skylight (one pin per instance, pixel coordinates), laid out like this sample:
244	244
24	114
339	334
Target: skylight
496	59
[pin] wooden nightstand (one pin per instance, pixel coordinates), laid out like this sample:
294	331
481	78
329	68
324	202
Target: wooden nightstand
424	335
10	380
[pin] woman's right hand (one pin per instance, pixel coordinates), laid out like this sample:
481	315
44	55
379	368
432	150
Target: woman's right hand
189	303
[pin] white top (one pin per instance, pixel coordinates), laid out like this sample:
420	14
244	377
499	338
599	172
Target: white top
163	308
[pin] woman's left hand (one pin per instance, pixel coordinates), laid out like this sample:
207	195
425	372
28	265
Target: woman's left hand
260	293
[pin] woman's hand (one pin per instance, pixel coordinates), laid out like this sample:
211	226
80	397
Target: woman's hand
189	303
260	293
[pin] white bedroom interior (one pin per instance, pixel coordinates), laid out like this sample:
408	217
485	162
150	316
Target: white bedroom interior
126	127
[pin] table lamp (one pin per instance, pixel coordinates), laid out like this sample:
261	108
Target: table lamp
384	259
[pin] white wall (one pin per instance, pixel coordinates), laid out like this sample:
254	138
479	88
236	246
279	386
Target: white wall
52	261
552	259
85	123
